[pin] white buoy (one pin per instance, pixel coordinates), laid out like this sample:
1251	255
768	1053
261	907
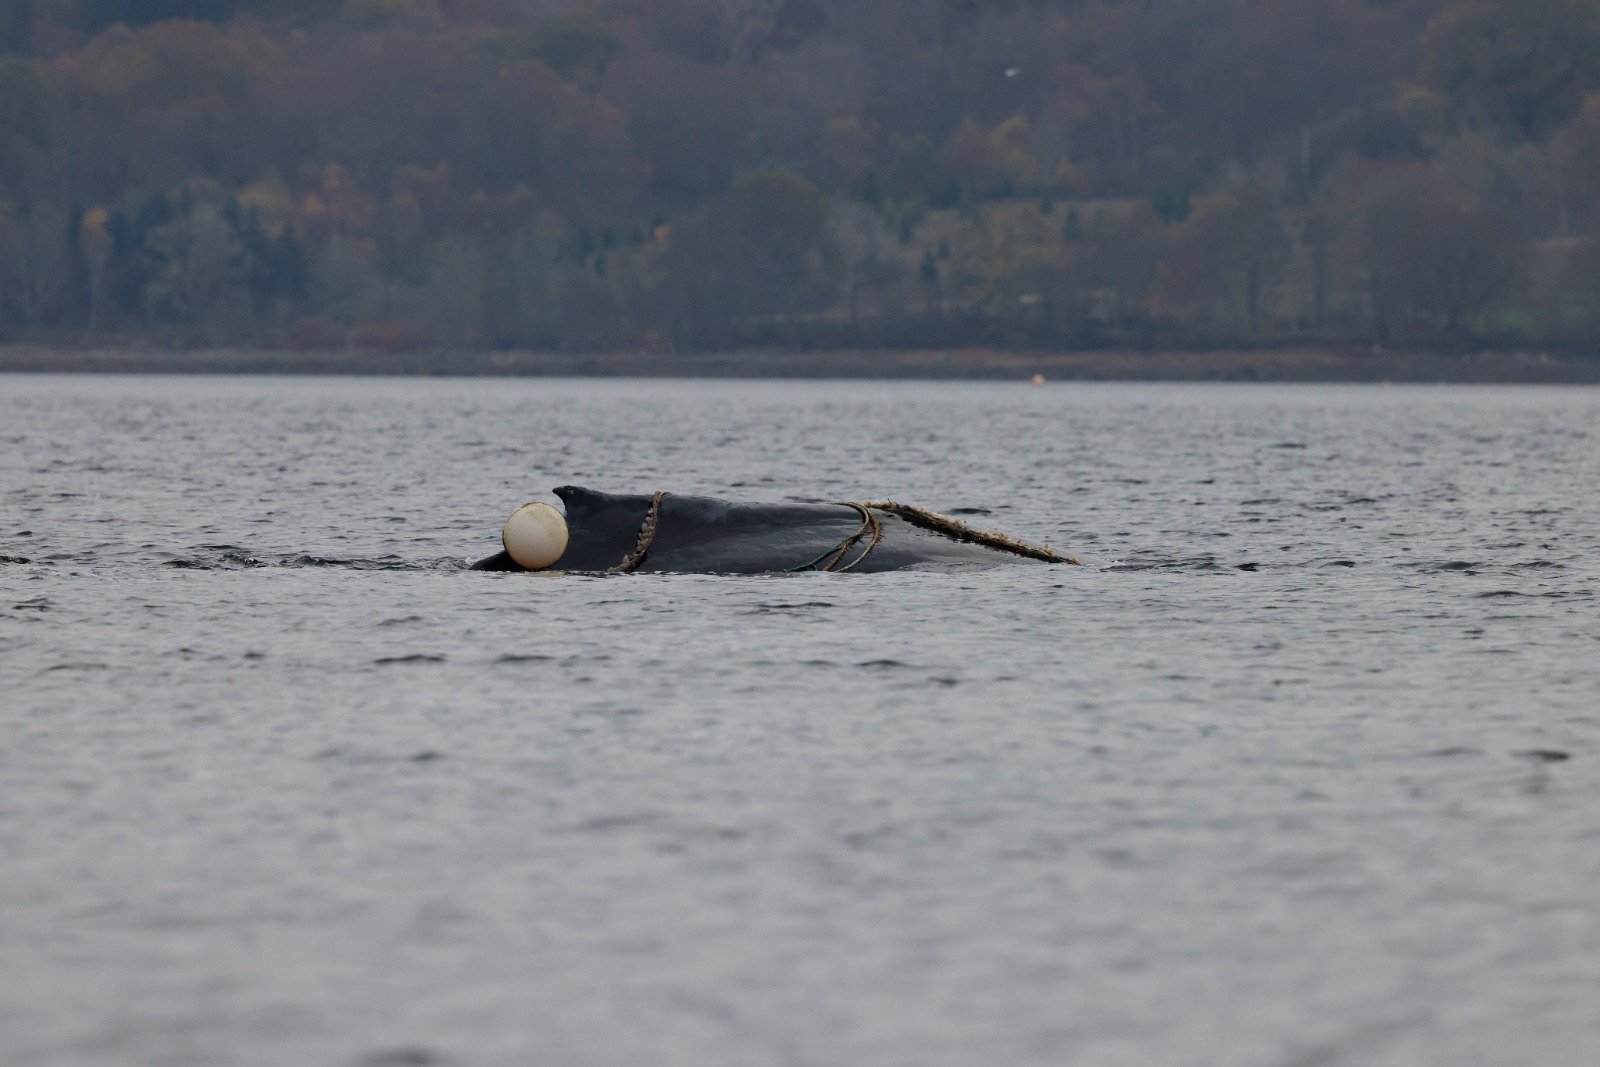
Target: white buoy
535	536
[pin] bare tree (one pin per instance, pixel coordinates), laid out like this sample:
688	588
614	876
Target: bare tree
869	257
35	261
1438	258
94	241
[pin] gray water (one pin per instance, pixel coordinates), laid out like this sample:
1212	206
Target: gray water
1302	768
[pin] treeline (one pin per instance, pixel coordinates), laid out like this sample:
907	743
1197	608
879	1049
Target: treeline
695	174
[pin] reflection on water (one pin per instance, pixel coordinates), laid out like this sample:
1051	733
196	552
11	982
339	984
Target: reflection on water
1302	768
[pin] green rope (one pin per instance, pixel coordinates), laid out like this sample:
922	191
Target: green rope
836	553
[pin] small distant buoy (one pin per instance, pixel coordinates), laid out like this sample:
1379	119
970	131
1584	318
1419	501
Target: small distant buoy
1038	380
535	536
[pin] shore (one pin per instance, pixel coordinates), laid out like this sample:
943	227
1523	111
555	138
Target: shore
1265	365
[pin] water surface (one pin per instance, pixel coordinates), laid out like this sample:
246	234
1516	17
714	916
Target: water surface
1302	768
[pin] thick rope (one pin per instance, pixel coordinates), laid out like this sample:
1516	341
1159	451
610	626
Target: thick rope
960	531
647	537
870	524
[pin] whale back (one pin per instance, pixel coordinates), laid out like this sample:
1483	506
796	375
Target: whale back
710	535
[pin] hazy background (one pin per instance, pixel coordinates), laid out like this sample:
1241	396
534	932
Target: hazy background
704	174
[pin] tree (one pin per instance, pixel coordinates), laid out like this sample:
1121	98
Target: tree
1119	262
1226	257
1575	168
95	245
552	136
1012	270
760	253
24	117
915	174
1523	65
35	261
868	257
161	105
1438	259
545	170
993	163
690	123
578	45
96	15
198	260
16	26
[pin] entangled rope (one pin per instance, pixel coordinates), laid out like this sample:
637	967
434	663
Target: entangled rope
960	531
647	537
871	529
869	524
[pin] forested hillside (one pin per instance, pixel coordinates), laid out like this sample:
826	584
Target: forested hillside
692	174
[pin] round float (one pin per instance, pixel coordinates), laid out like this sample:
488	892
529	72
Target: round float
535	536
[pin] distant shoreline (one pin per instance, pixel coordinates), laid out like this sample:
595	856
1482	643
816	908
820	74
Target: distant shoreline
1265	365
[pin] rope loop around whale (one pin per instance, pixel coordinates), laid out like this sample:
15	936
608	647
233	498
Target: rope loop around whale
830	559
647	536
871	529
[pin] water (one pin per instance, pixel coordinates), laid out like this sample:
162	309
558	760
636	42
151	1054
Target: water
1302	768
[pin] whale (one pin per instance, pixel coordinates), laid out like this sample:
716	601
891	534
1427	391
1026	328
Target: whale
667	533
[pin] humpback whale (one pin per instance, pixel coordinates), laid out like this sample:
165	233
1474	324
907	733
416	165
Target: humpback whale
605	533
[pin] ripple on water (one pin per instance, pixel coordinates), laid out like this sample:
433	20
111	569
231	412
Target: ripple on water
282	783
